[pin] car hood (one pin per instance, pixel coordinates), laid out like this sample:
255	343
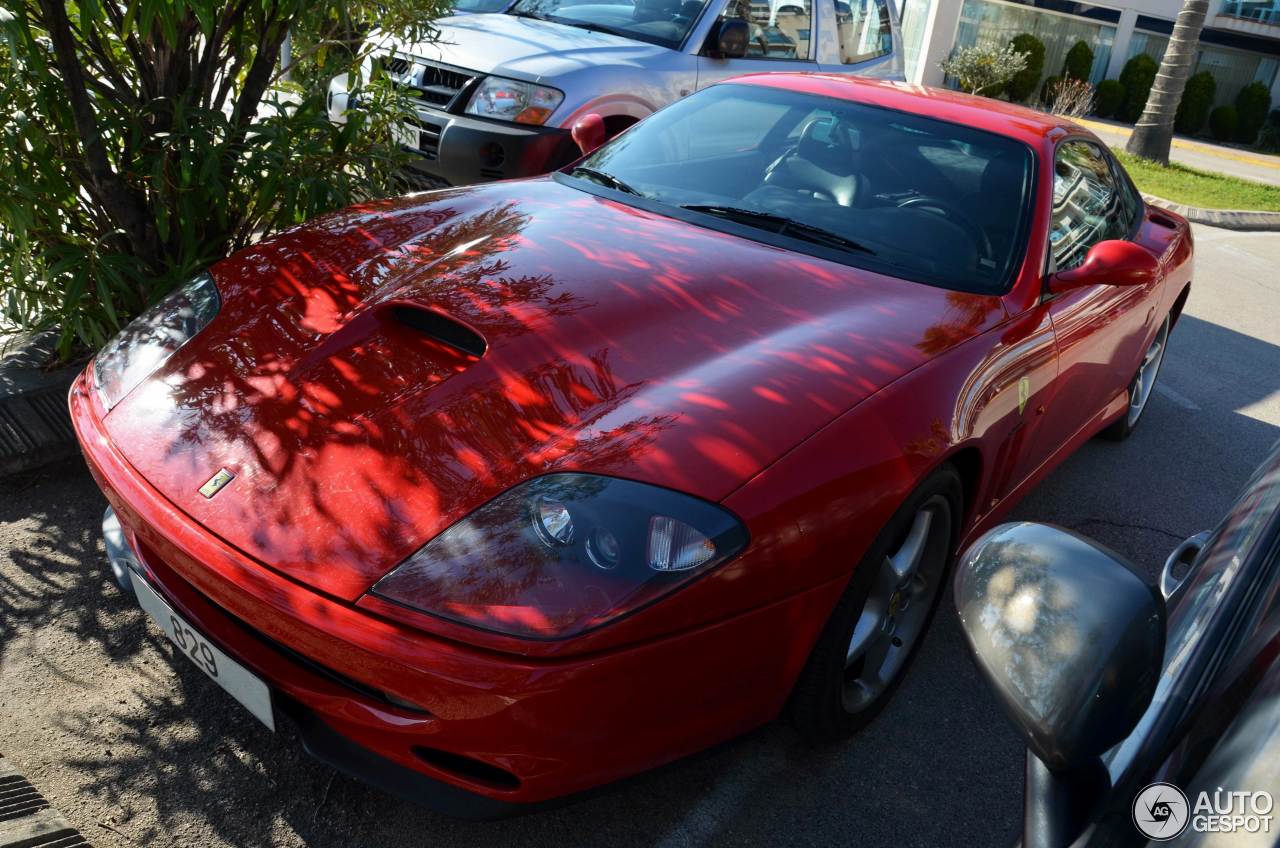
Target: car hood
525	48
618	341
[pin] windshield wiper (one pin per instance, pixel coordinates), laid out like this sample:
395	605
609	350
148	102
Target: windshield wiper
607	179
782	225
521	13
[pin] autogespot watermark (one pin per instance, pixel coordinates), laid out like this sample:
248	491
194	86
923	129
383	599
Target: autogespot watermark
1162	811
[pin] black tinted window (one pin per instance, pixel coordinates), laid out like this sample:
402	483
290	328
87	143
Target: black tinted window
928	200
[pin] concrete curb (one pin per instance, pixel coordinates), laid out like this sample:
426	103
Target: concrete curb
35	426
1227	219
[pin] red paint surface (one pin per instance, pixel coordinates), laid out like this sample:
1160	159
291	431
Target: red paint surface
809	397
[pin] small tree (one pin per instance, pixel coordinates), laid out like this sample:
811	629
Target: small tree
1024	82
984	67
1072	98
1108	97
1223	122
1079	62
1153	135
1138	75
142	141
1197	100
1252	105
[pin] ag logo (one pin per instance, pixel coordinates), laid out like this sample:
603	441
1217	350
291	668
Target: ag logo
217	483
1161	811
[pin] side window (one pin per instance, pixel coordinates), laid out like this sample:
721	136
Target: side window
1130	200
1087	206
865	31
780	29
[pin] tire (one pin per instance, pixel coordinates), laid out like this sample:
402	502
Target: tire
1140	388
831	697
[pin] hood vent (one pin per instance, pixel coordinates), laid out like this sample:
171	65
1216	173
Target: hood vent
441	328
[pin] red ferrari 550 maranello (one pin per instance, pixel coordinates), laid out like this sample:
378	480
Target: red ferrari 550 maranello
501	493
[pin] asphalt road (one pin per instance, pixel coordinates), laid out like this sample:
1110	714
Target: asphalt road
136	748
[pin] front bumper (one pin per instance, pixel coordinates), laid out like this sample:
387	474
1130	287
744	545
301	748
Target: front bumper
461	150
381	698
456	149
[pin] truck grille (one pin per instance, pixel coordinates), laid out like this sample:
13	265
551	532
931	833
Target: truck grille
430	82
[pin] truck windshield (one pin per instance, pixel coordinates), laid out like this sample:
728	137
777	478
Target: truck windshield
662	22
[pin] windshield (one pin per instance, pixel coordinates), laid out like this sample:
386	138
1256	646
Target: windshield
664	22
907	195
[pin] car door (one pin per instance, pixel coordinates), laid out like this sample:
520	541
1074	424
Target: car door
1100	330
781	39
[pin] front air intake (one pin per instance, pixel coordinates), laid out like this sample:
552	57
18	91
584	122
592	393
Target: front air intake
441	328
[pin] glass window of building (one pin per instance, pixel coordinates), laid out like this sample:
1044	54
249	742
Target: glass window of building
996	22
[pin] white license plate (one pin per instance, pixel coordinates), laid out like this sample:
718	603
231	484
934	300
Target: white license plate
243	685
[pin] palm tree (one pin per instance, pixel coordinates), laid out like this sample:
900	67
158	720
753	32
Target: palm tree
1154	133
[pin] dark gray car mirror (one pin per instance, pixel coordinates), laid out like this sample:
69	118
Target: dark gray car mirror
1066	632
728	39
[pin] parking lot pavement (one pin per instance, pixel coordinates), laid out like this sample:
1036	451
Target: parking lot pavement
136	749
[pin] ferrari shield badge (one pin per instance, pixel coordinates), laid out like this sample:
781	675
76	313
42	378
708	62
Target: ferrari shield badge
1024	394
217	483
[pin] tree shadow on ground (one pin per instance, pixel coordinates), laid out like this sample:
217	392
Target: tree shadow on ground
180	763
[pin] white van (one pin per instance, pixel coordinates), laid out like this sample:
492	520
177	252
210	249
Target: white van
499	92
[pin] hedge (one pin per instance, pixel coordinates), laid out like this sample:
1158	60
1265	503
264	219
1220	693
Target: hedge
1023	84
1108	98
1252	105
1197	100
1138	75
1222	122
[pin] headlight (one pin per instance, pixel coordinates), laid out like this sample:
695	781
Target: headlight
512	100
152	338
563	554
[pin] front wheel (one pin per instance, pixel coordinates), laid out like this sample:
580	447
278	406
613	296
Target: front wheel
872	636
1141	387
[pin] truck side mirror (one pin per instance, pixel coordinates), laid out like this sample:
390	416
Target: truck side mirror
728	39
1071	639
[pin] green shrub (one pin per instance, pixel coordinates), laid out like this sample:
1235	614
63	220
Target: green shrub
1252	105
1138	75
1197	100
1269	137
1222	123
1108	98
1079	62
1047	89
1024	82
984	68
140	142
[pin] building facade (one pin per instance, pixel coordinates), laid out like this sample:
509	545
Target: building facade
1240	43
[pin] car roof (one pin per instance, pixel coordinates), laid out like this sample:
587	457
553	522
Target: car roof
984	113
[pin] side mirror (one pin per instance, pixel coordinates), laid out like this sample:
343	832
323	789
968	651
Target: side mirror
1112	263
588	132
1071	639
728	39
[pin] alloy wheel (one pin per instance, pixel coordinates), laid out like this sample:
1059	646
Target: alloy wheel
1145	381
898	606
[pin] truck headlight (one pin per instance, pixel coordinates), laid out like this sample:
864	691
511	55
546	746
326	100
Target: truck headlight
515	101
151	338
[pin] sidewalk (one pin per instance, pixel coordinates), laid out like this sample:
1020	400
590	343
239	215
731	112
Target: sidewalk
1201	155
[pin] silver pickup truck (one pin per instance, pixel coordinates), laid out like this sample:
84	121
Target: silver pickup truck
499	92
